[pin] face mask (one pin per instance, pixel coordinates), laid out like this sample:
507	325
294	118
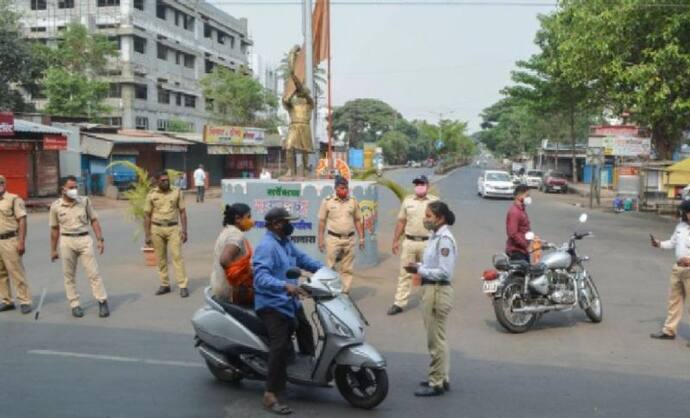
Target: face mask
164	185
288	229
72	193
430	225
420	190
246	224
342	194
527	201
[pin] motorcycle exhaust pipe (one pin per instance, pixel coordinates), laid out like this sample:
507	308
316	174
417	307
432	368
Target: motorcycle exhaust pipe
540	309
214	357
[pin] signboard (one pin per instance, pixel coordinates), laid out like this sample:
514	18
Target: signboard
622	146
616	130
595	156
171	148
54	143
233	135
6	124
16	146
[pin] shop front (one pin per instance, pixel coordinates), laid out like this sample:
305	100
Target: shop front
243	149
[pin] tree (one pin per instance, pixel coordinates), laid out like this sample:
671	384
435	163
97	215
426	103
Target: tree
366	120
447	138
395	146
178	125
237	98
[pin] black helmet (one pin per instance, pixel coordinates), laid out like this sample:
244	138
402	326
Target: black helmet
684	206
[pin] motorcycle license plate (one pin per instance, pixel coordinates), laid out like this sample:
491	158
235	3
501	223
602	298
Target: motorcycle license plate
490	286
557	187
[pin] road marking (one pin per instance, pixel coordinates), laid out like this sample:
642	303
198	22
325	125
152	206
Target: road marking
114	358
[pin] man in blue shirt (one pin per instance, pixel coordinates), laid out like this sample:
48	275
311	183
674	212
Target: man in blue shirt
276	301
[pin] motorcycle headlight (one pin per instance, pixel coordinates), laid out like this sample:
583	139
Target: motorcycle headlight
340	328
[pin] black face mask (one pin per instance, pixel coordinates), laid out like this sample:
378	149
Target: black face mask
288	229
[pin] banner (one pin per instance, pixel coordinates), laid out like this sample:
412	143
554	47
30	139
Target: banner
233	135
622	146
54	143
6	124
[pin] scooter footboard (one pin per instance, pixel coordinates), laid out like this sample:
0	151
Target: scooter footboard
363	355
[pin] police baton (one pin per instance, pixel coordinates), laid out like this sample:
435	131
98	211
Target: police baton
40	304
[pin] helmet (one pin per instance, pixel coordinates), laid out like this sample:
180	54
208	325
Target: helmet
684	206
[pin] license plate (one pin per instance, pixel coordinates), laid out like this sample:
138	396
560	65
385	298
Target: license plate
490	286
557	187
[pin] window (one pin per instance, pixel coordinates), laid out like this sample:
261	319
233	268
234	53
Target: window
139	44
189	101
141	91
162	51
38	29
141	122
209	105
66	4
178	99
116	41
178	17
39	4
188	23
208	31
116	121
139	4
178	57
221	38
106	3
189	61
163	124
115	90
160	10
232	41
163	96
208	66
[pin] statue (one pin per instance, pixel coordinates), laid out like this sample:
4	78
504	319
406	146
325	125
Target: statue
299	104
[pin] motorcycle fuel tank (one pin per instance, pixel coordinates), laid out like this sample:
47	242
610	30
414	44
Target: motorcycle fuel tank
557	260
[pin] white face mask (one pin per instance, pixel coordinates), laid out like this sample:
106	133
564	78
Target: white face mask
527	201
72	193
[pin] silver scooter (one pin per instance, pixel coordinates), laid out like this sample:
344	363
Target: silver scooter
234	343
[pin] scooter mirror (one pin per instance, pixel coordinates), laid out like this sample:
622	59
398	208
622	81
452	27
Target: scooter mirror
529	236
583	218
293	273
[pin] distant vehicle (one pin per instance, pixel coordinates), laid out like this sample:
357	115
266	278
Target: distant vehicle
554	182
534	178
495	184
415	164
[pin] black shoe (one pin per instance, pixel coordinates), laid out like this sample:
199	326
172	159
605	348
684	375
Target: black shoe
162	290
184	292
103	310
77	312
25	308
394	310
429	391
446	385
6	307
661	335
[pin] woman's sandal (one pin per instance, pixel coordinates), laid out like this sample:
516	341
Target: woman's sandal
278	409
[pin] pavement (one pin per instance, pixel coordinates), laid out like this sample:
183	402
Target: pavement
140	362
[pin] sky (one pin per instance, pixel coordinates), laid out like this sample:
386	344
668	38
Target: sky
427	61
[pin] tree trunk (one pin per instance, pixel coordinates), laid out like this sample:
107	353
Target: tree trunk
572	142
664	142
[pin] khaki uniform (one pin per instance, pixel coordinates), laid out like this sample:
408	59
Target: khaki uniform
678	294
11	267
164	208
340	216
73	220
414	242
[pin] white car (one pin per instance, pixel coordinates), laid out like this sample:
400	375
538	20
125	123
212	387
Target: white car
495	184
534	178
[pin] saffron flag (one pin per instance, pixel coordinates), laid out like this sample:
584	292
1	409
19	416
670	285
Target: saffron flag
321	21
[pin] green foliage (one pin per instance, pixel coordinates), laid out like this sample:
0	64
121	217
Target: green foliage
395	146
178	125
73	93
365	120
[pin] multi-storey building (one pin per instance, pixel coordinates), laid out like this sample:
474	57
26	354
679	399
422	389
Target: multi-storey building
165	48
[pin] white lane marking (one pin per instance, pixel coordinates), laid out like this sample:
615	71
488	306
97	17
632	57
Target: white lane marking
114	358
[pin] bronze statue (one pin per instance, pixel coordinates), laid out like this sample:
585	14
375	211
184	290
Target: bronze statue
299	104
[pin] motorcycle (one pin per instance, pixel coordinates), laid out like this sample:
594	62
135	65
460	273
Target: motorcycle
234	343
521	292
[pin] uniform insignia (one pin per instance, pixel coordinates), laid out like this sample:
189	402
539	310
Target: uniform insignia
445	252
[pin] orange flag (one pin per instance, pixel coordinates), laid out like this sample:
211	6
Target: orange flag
321	21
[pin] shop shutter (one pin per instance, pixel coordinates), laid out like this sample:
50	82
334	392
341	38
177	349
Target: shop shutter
14	165
47	173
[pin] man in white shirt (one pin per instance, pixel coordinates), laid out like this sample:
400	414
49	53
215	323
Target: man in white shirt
265	174
679	288
200	183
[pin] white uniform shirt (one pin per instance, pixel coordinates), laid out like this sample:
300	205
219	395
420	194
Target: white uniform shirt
199	177
680	241
439	258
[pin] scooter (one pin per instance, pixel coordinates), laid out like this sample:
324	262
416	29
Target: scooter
234	343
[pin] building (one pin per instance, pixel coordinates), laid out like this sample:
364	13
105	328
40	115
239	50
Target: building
166	47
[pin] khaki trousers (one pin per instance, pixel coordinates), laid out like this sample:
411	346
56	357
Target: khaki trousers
12	268
410	252
166	238
345	249
678	294
437	302
71	250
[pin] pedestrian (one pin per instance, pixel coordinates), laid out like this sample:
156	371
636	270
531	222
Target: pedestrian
265	174
200	183
410	230
436	272
340	218
164	211
517	225
679	287
12	248
277	301
231	277
70	217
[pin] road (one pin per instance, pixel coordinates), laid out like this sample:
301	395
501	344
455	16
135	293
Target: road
140	362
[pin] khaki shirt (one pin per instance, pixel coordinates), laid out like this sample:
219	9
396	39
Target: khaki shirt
74	217
340	215
412	210
164	207
12	209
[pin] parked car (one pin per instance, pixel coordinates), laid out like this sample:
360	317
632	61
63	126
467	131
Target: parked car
534	178
554	182
495	184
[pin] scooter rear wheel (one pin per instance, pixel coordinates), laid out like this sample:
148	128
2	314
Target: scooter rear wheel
362	387
224	375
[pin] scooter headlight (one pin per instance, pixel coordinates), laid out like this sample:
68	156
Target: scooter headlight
339	327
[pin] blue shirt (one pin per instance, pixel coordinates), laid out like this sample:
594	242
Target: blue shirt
271	261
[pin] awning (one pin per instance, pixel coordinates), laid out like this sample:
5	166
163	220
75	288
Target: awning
96	147
237	150
24	126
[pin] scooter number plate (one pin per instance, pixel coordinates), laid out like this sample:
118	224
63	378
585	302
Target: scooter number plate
490	286
556	188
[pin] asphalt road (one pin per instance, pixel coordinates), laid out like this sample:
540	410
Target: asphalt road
140	362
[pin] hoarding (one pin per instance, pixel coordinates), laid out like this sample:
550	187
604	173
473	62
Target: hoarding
6	124
622	146
54	143
233	135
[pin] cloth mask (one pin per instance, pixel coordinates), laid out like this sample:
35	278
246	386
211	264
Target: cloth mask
430	225
527	201
342	194
72	193
246	224
288	229
420	190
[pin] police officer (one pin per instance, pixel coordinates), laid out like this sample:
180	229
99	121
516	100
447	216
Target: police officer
410	229
12	239
164	211
70	217
436	271
340	218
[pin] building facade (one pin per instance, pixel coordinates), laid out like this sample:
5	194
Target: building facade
165	48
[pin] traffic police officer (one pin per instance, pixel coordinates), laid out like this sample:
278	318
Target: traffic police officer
164	211
411	225
12	238
436	272
340	218
70	217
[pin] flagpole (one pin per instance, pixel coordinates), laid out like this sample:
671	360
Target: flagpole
309	71
331	163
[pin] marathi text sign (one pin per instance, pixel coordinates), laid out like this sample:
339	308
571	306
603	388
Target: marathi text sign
622	146
233	135
6	124
54	143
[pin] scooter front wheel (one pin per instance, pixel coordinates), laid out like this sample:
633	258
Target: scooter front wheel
362	387
224	375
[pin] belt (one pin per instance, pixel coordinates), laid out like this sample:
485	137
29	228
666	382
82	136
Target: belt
164	223
413	238
8	235
426	282
79	234
351	234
